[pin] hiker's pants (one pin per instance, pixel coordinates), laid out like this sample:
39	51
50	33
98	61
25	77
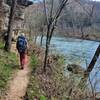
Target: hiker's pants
23	59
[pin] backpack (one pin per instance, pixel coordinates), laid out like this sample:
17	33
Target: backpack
21	44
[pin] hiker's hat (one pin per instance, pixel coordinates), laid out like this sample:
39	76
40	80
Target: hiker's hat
22	34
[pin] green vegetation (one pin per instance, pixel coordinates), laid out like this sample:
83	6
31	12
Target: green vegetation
34	60
33	88
61	60
1	45
8	62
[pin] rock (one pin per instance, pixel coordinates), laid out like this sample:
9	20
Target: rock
5	6
75	69
4	12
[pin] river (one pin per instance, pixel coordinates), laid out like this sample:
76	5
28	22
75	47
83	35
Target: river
76	51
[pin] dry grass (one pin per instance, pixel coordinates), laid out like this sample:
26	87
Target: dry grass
53	85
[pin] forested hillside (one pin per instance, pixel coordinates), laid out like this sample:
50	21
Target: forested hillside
79	18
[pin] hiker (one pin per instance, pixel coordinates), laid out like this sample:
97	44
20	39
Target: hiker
22	46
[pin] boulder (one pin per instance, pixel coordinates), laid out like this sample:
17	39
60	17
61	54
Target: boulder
75	69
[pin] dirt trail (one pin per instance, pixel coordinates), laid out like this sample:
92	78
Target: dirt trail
19	83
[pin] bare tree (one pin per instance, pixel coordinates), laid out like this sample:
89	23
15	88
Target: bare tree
88	20
34	21
10	26
93	61
51	23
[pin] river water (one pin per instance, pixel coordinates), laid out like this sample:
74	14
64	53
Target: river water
76	51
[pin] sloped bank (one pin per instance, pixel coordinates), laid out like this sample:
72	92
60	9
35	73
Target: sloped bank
8	64
54	85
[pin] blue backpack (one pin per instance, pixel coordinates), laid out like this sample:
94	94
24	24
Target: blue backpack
21	44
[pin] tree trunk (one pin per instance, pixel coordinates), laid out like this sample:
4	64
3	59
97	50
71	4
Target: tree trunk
46	56
30	32
30	35
51	23
41	40
47	48
93	61
10	26
35	39
82	32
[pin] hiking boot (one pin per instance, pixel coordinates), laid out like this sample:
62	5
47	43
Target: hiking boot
22	68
